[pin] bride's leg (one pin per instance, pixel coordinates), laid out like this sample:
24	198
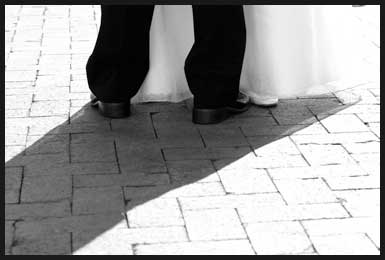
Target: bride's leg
214	64
120	59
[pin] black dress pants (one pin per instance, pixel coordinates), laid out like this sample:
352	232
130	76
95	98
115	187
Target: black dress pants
120	60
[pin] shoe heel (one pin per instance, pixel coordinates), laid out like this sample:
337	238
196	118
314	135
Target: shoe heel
209	116
115	110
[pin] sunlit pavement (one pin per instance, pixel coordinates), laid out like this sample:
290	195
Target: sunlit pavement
302	178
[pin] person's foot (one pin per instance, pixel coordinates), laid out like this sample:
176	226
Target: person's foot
111	110
266	101
205	116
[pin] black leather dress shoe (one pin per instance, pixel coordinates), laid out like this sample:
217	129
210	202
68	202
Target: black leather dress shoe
205	116
111	110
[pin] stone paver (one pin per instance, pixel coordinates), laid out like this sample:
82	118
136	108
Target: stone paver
97	200
359	244
301	178
279	238
225	247
212	225
46	188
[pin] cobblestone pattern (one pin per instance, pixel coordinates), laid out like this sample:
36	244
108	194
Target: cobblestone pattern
154	183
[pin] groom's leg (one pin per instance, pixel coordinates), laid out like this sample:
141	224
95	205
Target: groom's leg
214	64
120	60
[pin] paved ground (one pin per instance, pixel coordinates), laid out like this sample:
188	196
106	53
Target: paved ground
302	178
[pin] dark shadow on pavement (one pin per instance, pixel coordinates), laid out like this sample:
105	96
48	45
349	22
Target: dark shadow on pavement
91	174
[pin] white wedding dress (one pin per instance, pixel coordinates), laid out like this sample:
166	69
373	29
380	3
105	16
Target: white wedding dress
292	50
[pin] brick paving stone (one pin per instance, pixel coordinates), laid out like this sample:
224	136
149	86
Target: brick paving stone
317	171
339	138
175	191
56	94
222	136
53	144
266	146
361	203
246	121
120	240
93	152
350	183
305	191
292	212
12	86
97	200
24	160
137	128
79	102
21	75
83	181
375	128
114	244
327	227
289	108
256	111
226	247
19	91
37	210
373	158
18	101
346	110
369	117
159	107
299	103
42	168
244	182
79	86
189	140
13	152
357	148
188	171
154	212
250	161
46	188
165	134
213	224
344	123
52	81
15	140
210	153
47	125
48	245
279	238
352	244
16	113
296	119
231	201
142	158
35	229
104	137
280	130
8	234
13	178
171	119
325	154
371	168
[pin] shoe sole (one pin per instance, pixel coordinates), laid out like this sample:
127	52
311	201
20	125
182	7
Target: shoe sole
209	116
111	110
114	110
238	111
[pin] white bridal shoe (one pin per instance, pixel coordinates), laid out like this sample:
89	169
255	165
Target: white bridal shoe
263	101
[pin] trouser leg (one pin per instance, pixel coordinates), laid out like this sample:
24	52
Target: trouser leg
120	59
214	64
